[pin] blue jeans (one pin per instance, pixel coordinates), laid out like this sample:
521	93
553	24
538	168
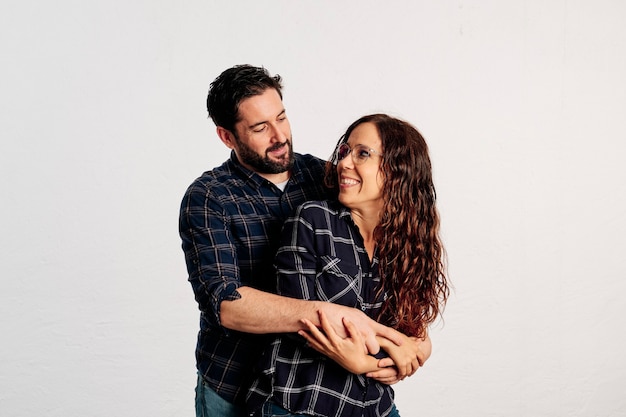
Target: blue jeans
272	410
209	404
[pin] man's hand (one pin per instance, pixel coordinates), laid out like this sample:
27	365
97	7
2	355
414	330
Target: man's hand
367	327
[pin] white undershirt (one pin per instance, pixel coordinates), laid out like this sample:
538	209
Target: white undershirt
281	185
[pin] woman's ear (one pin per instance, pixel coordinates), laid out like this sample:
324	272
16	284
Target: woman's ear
226	136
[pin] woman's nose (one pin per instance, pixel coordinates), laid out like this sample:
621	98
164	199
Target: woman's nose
346	162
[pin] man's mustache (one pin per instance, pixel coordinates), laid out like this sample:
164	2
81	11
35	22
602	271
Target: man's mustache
277	146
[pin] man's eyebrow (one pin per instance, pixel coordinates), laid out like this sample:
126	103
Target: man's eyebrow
265	121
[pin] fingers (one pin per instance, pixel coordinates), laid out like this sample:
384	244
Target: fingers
411	367
311	340
354	333
385	362
325	340
425	349
389	333
387	376
313	331
414	366
388	381
402	372
314	337
327	327
371	344
309	325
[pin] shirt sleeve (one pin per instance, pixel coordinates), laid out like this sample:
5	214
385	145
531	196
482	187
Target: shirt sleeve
210	254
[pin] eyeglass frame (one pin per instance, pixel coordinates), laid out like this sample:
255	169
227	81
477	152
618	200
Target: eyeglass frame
355	157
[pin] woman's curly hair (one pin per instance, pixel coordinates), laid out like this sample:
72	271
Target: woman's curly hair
411	255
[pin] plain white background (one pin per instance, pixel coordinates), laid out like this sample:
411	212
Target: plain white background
103	127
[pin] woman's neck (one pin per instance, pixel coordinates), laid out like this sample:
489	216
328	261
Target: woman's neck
367	222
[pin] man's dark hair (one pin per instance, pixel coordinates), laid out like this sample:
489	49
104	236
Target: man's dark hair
233	86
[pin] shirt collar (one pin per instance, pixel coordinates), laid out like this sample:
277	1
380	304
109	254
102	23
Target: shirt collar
246	174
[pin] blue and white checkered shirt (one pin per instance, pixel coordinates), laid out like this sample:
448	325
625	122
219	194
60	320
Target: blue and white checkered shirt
230	222
321	257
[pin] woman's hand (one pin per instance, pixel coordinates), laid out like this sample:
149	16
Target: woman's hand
403	360
387	374
349	352
368	327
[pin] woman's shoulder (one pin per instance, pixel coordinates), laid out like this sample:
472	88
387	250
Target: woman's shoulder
332	207
321	214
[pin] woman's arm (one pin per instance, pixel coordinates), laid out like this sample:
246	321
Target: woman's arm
348	352
406	359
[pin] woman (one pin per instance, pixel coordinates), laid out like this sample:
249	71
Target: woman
376	248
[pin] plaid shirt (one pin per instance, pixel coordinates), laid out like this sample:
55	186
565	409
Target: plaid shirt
230	222
321	257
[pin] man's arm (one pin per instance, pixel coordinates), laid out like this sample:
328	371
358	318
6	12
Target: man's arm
262	312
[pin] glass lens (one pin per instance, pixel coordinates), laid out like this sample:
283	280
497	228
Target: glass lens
361	153
343	151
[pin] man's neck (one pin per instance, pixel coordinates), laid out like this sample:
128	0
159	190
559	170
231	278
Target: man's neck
276	178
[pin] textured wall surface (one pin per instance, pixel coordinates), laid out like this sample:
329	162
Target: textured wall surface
103	126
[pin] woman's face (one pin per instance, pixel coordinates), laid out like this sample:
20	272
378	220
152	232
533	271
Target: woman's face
361	182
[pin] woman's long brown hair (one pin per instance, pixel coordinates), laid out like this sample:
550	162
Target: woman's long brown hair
412	257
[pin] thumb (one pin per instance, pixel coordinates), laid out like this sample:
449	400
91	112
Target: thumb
372	344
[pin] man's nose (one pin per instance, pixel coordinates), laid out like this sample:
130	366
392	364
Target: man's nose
277	134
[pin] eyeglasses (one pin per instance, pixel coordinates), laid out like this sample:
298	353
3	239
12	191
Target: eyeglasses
360	153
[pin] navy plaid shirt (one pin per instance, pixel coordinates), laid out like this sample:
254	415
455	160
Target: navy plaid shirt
230	222
321	257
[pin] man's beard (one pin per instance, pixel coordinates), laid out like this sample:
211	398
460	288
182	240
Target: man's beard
262	163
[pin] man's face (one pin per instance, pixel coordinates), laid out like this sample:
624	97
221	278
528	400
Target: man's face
263	135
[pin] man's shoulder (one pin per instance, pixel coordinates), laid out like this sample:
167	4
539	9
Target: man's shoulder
213	183
216	176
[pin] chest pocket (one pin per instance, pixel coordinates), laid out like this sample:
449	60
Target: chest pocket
339	282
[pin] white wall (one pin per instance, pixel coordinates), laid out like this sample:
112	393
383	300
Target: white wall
103	127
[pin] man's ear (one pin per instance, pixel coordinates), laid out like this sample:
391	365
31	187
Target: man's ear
226	137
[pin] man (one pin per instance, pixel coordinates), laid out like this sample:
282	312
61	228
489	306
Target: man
230	221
